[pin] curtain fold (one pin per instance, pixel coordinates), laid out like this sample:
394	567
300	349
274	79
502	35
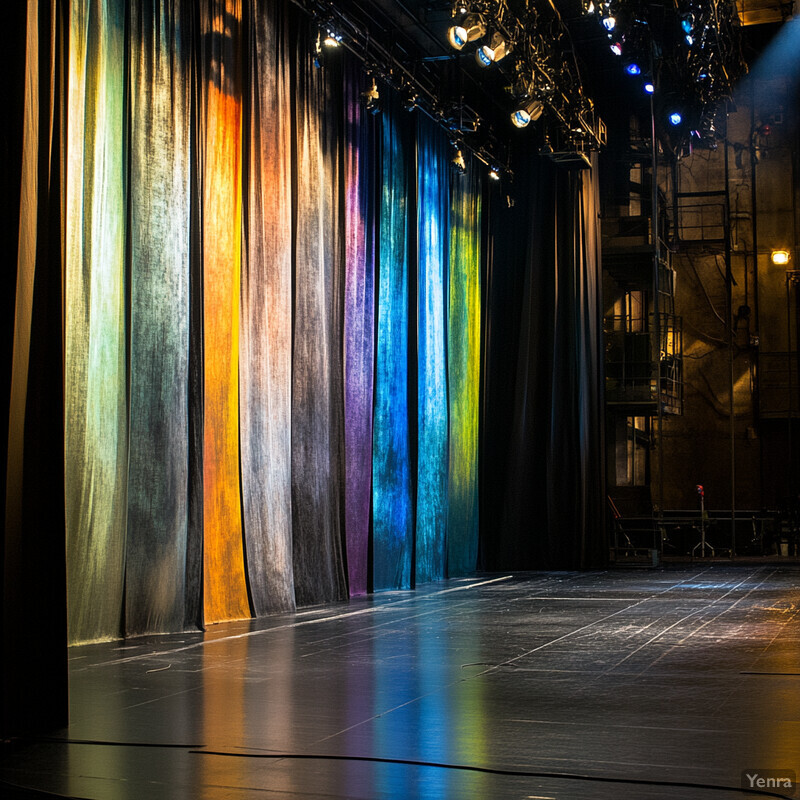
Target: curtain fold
265	357
95	380
463	369
392	514
433	251
317	382
359	327
224	588
159	319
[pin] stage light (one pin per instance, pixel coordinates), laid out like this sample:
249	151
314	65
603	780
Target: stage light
649	87
332	39
609	23
687	22
471	28
675	118
494	173
497	49
458	163
633	69
527	113
780	257
616	48
372	98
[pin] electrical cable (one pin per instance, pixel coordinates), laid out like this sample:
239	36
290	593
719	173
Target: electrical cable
511	773
503	772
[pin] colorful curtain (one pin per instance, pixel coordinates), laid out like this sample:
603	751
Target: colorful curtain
463	371
393	518
265	355
96	411
359	327
317	385
224	588
159	317
432	259
271	299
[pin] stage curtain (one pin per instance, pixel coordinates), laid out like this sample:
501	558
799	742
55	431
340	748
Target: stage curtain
159	318
545	507
265	356
95	380
33	631
393	520
224	588
317	380
359	325
432	258
463	371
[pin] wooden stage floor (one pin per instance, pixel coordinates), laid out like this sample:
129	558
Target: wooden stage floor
641	684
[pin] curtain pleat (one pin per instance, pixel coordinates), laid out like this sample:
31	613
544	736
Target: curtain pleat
224	587
359	328
95	380
159	321
463	372
432	258
317	383
265	362
393	520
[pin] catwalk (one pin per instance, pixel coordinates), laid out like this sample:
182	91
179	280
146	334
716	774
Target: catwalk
641	684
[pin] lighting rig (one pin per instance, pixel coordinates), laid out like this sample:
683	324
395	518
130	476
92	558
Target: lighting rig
528	46
532	47
686	54
416	79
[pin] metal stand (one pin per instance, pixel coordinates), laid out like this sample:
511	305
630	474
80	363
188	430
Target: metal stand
702	544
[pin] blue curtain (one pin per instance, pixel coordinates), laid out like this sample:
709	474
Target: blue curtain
432	411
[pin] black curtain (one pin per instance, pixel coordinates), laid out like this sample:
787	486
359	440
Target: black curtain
34	635
542	435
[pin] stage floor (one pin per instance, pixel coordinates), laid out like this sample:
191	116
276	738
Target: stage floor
623	684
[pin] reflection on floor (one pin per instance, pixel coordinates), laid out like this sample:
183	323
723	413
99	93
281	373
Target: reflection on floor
623	684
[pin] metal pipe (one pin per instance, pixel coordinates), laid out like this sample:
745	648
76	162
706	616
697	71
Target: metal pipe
731	343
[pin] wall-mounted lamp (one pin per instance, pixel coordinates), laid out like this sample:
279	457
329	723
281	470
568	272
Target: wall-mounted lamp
780	257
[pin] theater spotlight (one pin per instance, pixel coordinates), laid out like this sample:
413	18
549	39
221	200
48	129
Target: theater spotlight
675	118
497	49
616	48
633	69
494	173
372	98
526	113
649	87
472	27
609	23
332	39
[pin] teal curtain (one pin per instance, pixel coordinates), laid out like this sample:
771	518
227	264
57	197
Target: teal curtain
392	513
432	258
